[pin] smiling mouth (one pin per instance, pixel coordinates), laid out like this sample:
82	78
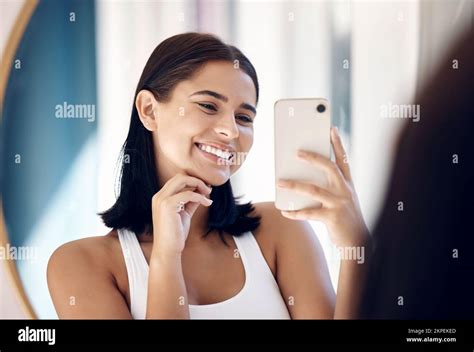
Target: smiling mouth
219	153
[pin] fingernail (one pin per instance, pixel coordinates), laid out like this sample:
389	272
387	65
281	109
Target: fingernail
336	131
210	201
281	182
302	153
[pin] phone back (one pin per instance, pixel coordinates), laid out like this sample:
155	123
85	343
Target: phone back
299	125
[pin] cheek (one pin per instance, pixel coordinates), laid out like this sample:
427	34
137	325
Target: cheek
246	139
170	142
245	144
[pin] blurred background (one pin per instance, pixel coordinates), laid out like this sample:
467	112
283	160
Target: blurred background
57	173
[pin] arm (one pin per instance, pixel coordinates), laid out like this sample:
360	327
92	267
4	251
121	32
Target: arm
352	278
81	287
167	296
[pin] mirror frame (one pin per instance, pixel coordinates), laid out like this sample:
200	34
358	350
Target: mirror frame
14	38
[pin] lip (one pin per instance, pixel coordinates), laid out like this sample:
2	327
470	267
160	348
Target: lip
223	147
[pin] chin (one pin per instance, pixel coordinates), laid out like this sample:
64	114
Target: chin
211	177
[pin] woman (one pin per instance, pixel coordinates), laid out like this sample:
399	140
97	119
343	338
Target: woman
422	265
171	254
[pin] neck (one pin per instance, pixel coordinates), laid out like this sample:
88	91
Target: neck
198	223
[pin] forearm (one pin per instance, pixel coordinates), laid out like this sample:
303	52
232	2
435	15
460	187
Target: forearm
167	296
351	284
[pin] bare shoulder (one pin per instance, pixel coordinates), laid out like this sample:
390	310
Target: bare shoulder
80	275
85	252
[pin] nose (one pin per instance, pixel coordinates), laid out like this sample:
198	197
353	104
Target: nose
227	126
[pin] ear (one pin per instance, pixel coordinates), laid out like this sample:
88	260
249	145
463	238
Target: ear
147	105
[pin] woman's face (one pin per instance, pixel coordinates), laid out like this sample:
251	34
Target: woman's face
206	128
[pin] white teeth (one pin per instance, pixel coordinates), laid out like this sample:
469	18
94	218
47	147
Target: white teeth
218	152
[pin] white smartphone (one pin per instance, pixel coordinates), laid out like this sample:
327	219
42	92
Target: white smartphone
303	123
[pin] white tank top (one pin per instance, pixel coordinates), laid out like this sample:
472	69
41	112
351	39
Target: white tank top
260	298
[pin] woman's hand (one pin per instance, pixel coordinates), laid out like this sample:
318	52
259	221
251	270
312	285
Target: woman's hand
340	209
171	222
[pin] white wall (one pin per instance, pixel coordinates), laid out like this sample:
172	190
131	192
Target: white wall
384	69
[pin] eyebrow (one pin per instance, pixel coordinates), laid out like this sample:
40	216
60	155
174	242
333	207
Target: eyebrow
224	99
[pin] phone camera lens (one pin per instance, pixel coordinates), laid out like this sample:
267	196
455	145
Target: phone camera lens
321	108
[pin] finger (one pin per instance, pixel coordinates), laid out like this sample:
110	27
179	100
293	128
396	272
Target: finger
331	169
188	197
179	182
340	154
308	189
318	214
